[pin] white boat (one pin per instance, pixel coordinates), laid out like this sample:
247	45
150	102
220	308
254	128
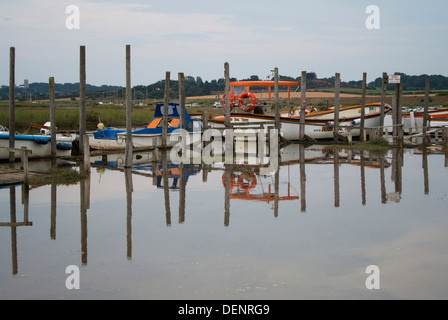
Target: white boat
150	136
318	125
40	145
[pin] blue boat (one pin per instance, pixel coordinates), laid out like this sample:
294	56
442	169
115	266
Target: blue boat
111	138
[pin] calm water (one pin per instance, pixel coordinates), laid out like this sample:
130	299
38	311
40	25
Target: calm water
330	219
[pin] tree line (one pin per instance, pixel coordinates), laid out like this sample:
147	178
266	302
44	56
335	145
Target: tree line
195	86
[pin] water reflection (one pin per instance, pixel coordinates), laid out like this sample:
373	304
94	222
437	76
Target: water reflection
239	185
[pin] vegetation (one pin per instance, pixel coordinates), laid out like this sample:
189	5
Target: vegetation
60	176
195	86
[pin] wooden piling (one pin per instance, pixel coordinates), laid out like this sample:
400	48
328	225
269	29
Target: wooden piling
399	112
24	159
128	146
383	101
165	110
182	100
363	106
82	96
12	119
52	118
227	94
277	102
425	113
86	152
302	105
337	88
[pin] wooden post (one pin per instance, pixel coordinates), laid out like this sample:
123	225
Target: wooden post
129	145
204	120
165	109
337	86
277	102
425	113
52	118
183	124
363	106
399	112
82	97
383	101
227	93
302	106
12	119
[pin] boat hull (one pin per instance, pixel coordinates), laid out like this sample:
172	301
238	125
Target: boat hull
40	146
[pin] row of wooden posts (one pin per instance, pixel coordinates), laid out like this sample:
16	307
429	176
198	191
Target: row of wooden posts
396	105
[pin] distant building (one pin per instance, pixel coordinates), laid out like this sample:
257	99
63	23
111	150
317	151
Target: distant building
25	84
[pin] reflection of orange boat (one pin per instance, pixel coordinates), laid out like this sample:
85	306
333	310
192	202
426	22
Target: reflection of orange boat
247	101
246	182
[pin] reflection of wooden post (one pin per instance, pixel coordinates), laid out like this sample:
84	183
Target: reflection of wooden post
52	117
13	221
129	190
228	172
363	106
166	189
128	146
84	207
383	181
276	191
425	170
182	190
24	156
363	179
82	97
302	178
12	119
302	105
336	178
337	86
53	212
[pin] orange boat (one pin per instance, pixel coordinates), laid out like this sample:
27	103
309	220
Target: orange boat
246	100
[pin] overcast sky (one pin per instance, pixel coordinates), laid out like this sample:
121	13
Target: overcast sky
197	37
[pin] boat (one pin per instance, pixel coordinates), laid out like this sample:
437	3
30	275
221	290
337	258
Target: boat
413	118
318	125
111	138
39	145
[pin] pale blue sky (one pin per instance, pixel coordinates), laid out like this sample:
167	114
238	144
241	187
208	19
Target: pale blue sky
197	37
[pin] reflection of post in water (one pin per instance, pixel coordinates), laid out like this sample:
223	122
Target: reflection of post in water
336	178
182	190
397	163
363	179
425	169
276	190
129	190
228	173
13	224
302	177
53	212
383	181
166	187
85	205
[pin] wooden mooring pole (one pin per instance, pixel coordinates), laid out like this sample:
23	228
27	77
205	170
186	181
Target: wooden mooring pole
302	105
128	146
227	94
337	87
12	119
182	100
277	102
52	118
383	101
82	97
165	110
363	107
425	113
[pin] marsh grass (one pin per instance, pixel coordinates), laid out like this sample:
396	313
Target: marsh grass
60	176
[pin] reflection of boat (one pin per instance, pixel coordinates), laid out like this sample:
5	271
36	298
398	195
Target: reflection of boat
150	136
40	145
245	185
318	125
